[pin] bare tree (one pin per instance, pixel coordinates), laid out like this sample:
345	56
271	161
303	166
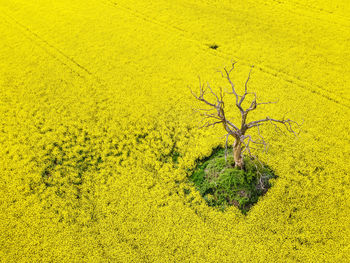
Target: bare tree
215	114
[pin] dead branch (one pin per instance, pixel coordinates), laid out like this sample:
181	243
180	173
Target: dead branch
286	123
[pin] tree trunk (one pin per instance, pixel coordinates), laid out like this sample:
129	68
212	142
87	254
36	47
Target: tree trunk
237	154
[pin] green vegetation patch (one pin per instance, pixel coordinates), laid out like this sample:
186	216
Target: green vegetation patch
223	185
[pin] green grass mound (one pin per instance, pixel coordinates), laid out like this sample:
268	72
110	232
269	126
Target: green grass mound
222	185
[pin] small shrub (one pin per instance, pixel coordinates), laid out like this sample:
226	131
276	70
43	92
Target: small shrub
214	46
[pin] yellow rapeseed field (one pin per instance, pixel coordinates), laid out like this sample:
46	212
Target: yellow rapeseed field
94	104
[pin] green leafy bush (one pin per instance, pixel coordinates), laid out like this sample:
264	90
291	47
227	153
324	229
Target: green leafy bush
222	185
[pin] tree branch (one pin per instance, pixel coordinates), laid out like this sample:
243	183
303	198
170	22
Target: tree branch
287	123
246	87
233	86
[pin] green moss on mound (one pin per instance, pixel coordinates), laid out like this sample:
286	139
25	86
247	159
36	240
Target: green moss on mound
222	185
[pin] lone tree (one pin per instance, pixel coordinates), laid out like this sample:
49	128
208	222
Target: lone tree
216	115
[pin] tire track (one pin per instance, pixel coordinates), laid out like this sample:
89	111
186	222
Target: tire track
50	49
101	85
309	11
315	89
291	8
310	8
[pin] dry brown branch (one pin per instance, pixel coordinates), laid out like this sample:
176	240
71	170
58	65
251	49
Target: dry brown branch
216	112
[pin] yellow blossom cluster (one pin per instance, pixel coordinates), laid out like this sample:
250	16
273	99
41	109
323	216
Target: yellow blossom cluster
98	133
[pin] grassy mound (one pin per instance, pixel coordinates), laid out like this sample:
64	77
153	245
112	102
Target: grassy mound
222	185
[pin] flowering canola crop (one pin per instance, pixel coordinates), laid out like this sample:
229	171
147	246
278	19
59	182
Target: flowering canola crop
97	131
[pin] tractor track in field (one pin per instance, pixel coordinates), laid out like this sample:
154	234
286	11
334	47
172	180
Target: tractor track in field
82	71
302	10
50	49
315	89
310	8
